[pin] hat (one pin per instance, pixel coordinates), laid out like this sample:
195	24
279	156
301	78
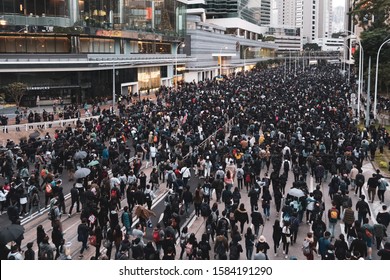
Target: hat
262	239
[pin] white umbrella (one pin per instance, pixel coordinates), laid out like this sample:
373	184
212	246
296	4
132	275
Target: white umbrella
114	181
80	155
82	173
296	192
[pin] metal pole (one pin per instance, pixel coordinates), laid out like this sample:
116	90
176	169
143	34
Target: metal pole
361	74
177	50
368	93
376	76
113	88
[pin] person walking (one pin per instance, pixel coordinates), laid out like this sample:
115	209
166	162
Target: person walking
75	199
286	238
241	215
362	208
249	243
333	216
82	236
276	236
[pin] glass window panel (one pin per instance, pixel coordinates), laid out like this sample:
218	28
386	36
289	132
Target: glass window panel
31	45
41	45
62	45
8	6
2	45
95	46
21	45
85	45
51	45
10	45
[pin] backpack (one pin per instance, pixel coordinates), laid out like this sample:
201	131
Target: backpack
156	236
240	174
203	246
220	250
148	197
170	177
214	216
209	229
248	178
333	215
205	209
359	180
113	193
368	233
306	247
222	226
233	252
286	165
48	189
189	249
52	214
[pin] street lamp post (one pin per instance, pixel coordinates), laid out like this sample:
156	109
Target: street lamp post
376	76
220	60
247	48
177	50
361	61
113	88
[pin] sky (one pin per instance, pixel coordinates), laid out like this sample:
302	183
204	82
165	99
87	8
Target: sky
338	3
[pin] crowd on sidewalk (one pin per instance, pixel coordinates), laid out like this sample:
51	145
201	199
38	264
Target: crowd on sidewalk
280	125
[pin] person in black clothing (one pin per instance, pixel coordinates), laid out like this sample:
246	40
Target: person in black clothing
29	254
75	198
359	182
362	208
383	217
341	247
359	245
253	198
257	220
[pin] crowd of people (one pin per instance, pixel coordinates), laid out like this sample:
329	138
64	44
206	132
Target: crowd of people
242	135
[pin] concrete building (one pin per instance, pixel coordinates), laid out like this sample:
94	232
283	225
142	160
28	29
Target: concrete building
77	50
312	17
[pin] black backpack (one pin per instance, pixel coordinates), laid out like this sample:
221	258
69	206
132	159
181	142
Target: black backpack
222	226
148	197
205	210
233	251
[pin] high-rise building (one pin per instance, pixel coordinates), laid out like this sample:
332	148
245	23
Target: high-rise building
253	11
313	17
287	12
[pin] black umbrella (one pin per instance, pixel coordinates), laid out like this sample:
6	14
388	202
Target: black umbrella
35	134
11	233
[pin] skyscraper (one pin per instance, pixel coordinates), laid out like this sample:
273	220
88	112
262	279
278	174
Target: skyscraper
313	17
254	11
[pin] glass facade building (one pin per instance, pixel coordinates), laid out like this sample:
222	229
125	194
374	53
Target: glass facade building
166	17
69	48
245	9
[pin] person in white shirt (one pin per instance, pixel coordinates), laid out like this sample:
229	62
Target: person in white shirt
186	174
153	153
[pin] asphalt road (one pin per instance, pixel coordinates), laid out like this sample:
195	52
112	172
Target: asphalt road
195	225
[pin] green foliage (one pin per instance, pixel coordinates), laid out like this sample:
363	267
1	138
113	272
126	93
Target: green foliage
311	47
16	91
374	17
371	14
269	39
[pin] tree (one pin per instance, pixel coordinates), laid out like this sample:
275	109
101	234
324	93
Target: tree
311	47
17	90
374	17
371	14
